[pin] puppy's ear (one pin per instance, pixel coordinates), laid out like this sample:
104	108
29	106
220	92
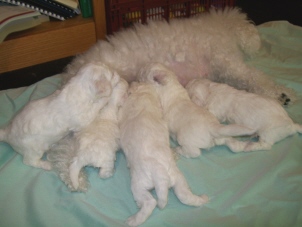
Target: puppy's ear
102	87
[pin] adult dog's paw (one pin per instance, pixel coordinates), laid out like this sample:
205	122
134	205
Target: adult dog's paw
284	99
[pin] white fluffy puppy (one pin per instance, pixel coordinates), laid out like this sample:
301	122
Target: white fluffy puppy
94	145
230	105
145	142
192	126
212	45
44	122
98	143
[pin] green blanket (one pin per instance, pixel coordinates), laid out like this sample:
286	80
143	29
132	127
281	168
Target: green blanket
245	189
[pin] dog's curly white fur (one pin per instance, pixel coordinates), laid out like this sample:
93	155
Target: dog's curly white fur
230	105
192	126
43	122
209	46
94	145
145	142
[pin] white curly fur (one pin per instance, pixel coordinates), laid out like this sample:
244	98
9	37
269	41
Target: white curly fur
209	46
94	145
192	126
230	105
43	122
145	142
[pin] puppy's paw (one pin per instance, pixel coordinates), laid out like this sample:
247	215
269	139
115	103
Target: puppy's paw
162	203
257	146
132	221
188	152
284	99
203	199
46	165
249	146
106	173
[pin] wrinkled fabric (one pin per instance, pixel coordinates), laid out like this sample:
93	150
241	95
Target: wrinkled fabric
261	188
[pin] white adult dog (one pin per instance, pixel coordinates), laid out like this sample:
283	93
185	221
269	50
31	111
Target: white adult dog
230	105
209	46
145	142
95	145
192	126
43	122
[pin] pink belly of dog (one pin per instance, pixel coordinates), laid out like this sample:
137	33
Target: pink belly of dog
187	71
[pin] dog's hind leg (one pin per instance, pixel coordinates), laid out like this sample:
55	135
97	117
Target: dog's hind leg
233	144
107	169
184	194
258	146
145	202
161	182
74	171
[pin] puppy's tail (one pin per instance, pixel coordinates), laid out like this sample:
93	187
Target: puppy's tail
61	157
233	130
184	193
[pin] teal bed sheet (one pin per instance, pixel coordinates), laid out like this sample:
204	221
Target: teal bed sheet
245	189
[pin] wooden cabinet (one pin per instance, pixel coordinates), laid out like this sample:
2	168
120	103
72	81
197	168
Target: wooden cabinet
53	40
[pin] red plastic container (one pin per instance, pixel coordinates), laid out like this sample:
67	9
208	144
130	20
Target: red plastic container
124	13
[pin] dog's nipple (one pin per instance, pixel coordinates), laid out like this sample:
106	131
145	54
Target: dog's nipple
180	57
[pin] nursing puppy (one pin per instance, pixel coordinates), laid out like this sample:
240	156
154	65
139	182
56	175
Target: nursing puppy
145	142
212	45
192	126
43	122
60	155
230	105
94	145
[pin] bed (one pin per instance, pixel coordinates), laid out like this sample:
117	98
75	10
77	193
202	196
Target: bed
246	189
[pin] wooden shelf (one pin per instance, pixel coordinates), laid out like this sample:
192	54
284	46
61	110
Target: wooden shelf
52	40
